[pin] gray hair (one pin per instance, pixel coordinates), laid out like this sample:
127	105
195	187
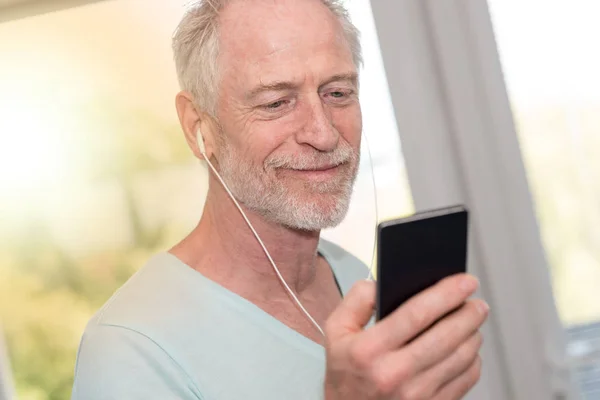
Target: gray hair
196	46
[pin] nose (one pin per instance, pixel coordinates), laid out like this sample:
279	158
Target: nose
318	130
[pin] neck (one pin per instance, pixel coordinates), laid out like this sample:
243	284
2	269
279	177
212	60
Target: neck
223	247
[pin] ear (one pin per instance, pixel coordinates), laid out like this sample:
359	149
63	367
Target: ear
193	120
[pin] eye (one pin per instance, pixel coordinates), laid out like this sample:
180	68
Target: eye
277	108
275	105
339	96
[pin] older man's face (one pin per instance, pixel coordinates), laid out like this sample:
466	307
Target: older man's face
288	106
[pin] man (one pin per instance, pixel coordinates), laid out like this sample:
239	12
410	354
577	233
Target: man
271	85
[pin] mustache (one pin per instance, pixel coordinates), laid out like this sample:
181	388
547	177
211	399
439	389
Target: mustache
342	154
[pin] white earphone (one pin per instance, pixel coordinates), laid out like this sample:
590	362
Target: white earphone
202	148
200	140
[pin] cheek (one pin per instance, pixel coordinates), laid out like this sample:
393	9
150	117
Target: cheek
259	139
266	137
254	140
348	122
249	139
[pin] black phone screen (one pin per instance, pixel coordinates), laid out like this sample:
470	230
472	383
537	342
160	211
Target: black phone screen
416	252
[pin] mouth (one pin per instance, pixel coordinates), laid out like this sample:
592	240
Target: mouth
318	169
318	173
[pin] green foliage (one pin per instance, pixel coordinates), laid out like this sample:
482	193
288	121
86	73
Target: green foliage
42	328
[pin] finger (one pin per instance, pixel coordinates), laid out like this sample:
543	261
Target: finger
354	311
419	312
459	387
446	336
420	365
430	381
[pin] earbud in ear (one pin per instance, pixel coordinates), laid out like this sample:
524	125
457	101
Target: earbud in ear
200	141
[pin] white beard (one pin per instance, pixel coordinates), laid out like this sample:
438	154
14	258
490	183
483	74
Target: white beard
316	206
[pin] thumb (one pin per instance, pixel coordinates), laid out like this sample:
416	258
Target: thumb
354	312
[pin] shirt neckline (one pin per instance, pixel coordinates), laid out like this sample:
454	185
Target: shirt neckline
251	310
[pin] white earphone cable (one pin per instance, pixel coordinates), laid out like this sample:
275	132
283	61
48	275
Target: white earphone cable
370	277
281	279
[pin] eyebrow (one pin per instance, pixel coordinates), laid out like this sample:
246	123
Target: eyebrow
351	77
272	86
288	85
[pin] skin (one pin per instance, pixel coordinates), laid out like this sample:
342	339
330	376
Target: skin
301	44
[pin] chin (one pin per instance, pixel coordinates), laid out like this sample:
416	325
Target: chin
324	211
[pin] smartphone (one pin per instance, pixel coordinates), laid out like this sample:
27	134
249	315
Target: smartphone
415	252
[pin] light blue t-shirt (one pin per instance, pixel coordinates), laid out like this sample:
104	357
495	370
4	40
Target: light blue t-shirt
171	333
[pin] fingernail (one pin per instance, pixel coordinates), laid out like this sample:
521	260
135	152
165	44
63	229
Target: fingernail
483	307
469	283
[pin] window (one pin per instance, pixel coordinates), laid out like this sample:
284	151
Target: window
96	175
551	69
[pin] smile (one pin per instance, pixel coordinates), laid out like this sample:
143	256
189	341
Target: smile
321	173
318	169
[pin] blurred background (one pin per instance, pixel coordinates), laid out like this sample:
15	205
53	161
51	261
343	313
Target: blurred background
95	175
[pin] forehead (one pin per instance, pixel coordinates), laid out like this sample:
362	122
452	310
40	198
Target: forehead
262	39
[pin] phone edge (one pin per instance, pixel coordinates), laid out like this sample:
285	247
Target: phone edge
415	217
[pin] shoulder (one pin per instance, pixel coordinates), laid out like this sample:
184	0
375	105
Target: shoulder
149	297
115	363
127	349
157	307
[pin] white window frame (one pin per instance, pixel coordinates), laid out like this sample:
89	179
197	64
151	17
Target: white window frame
460	146
17	9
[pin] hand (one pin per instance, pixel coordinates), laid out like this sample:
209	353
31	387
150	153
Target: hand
407	355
